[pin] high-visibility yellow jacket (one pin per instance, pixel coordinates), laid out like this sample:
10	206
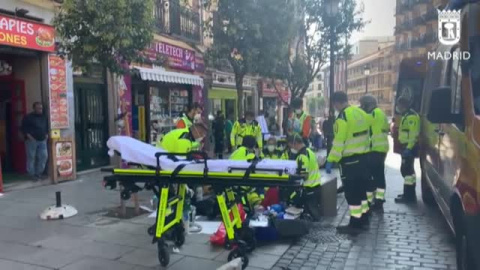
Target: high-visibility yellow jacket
307	160
379	131
178	141
184	122
271	155
242	153
352	134
409	129
242	129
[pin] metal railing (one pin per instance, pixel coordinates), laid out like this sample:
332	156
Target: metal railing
174	19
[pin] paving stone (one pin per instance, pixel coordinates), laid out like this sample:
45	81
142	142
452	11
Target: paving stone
60	242
11	265
277	249
264	261
97	263
51	258
103	250
195	263
147	258
201	251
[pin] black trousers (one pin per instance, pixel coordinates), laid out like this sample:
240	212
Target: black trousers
354	175
311	197
376	170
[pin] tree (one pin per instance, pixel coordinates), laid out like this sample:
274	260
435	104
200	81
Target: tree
109	32
309	50
249	35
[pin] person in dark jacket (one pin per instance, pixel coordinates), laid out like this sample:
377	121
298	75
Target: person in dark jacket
35	129
219	134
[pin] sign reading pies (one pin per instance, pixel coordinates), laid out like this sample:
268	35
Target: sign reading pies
26	34
58	92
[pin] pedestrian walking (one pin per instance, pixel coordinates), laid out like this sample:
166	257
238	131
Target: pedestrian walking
351	143
35	129
408	132
219	134
378	152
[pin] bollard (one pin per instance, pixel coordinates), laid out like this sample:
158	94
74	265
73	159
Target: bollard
58	199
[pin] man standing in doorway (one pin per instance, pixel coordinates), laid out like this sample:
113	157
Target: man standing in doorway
35	129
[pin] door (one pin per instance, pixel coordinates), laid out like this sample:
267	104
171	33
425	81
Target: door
452	146
91	126
13	109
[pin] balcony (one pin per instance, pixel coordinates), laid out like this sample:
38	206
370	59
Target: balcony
176	20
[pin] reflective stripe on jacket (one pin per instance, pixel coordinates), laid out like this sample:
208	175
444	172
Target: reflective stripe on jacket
352	134
409	129
308	160
379	131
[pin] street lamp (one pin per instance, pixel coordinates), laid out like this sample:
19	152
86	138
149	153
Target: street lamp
332	7
366	72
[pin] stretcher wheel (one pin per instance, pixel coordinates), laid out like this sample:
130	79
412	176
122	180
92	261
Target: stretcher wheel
179	235
163	254
125	195
237	253
247	235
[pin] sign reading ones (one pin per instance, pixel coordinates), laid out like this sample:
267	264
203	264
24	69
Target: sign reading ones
26	34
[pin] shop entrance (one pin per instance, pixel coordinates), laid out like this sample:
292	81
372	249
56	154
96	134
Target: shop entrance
91	125
12	111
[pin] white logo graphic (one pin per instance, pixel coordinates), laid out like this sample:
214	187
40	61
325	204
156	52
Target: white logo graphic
449	26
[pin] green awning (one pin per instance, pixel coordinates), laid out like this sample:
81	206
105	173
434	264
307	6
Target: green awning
222	93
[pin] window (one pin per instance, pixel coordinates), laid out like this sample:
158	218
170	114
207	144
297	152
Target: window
319	86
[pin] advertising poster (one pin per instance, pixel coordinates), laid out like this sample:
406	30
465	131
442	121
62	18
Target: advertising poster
64	162
124	106
25	34
58	92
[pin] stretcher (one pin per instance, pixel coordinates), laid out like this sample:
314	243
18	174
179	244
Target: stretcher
168	174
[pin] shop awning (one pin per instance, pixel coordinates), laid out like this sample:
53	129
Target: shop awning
222	93
162	75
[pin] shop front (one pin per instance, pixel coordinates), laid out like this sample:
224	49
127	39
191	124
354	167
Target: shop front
223	95
274	102
161	94
30	72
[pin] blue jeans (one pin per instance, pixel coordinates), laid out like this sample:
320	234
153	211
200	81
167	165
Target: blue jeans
37	156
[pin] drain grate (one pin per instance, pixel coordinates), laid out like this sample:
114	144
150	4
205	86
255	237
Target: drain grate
324	234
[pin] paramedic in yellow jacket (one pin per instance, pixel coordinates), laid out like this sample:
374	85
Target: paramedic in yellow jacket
271	151
307	160
183	140
408	132
246	127
378	151
351	145
246	152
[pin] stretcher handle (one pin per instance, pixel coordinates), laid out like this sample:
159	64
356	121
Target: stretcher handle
279	171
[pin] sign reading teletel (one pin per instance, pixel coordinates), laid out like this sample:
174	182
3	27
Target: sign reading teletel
26	34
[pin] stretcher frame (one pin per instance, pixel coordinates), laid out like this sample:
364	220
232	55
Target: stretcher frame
239	237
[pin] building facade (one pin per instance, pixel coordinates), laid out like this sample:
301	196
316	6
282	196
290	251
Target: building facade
416	30
379	82
32	72
314	93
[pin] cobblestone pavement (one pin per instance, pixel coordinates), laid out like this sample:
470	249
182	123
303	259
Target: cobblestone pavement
403	237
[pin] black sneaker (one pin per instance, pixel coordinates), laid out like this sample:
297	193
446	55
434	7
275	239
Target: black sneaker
405	199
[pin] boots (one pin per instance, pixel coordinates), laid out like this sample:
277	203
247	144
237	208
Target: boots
354	227
365	220
377	206
408	195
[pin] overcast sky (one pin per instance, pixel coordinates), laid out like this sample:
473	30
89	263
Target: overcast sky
381	14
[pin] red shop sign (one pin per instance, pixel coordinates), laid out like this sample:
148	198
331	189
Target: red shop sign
26	34
177	57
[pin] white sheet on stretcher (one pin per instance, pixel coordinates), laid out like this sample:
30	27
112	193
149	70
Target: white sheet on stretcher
135	151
